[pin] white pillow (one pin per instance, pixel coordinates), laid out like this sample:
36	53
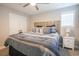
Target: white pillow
34	29
37	30
41	30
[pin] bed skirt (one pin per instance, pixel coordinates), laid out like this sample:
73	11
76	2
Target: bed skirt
14	52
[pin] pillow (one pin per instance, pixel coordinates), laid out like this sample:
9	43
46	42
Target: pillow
49	30
37	30
52	30
46	30
34	29
41	30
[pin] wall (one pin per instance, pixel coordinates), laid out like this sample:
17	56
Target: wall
77	23
4	22
4	25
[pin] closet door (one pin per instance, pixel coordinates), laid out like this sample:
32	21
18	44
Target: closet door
16	23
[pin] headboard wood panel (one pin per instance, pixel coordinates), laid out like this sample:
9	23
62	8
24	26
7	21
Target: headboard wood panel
48	23
43	24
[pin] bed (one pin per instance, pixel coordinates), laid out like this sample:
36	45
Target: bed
33	44
42	41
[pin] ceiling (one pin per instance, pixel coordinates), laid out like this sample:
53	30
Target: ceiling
30	10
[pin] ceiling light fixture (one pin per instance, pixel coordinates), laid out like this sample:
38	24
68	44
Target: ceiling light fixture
33	4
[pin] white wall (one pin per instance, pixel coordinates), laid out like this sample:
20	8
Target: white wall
4	22
77	23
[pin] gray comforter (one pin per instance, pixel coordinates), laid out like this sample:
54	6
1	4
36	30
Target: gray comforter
35	44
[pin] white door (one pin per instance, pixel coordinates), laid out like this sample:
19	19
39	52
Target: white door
16	23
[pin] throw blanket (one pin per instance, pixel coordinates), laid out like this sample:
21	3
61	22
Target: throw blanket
50	41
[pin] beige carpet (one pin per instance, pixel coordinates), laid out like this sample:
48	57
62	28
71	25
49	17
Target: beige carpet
4	51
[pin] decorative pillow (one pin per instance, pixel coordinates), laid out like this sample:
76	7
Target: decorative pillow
46	30
34	29
52	30
41	30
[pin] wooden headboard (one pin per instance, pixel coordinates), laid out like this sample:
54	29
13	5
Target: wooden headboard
48	23
43	24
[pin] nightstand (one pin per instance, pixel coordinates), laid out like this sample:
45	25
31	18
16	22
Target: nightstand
69	42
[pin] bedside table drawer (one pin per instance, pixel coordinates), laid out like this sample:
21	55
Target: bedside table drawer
69	45
68	42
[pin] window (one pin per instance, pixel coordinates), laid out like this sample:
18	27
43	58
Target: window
67	19
67	23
